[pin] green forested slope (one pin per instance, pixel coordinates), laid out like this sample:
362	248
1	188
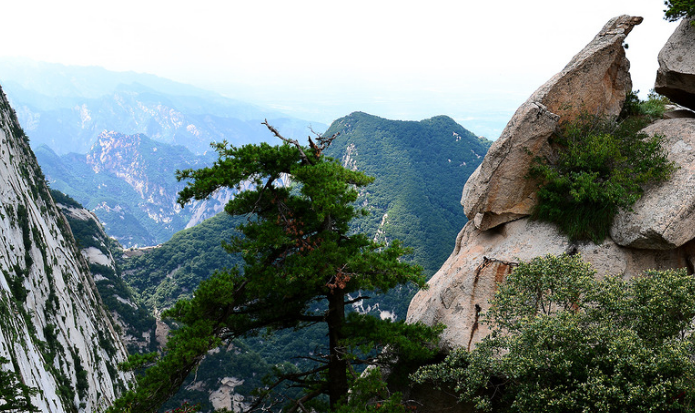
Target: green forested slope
420	169
175	268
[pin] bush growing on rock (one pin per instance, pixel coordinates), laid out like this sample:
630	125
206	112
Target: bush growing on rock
601	166
14	394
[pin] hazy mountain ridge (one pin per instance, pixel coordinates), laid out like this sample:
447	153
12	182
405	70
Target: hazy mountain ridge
66	107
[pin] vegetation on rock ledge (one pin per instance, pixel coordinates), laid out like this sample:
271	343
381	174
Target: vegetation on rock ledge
678	9
564	341
601	166
14	394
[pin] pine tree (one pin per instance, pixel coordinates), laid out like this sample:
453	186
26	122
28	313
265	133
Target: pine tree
303	265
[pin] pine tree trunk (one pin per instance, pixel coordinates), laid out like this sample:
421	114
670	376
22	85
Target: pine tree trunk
337	365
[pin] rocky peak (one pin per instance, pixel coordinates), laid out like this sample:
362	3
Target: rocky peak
125	157
497	198
596	80
140	173
52	323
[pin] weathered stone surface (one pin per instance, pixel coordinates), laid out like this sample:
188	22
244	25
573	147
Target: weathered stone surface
481	260
497	191
679	114
675	77
596	80
664	218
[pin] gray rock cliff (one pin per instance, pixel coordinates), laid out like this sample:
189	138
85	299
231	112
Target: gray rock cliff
663	218
52	322
675	78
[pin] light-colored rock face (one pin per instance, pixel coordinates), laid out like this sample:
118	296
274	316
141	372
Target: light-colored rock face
225	398
106	274
596	81
498	191
675	77
52	324
679	114
460	291
663	218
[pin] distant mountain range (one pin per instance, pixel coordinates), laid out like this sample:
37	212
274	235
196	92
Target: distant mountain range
67	107
129	182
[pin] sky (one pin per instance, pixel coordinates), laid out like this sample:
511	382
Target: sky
475	61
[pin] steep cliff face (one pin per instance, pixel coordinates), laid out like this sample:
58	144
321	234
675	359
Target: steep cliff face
52	324
137	325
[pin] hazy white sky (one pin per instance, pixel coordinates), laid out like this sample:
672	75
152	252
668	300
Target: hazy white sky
322	59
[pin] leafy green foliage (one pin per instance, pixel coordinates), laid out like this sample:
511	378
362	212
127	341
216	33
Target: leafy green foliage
601	167
564	341
651	109
301	262
185	408
370	394
678	9
14	394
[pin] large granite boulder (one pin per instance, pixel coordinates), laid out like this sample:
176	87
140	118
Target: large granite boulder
664	218
459	292
497	191
675	77
595	81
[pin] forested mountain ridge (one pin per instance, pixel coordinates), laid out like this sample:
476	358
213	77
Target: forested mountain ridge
420	168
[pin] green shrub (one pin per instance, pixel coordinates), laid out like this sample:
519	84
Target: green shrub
601	167
652	109
564	341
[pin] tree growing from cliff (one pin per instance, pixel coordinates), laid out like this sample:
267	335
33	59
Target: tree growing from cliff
15	396
303	265
564	341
